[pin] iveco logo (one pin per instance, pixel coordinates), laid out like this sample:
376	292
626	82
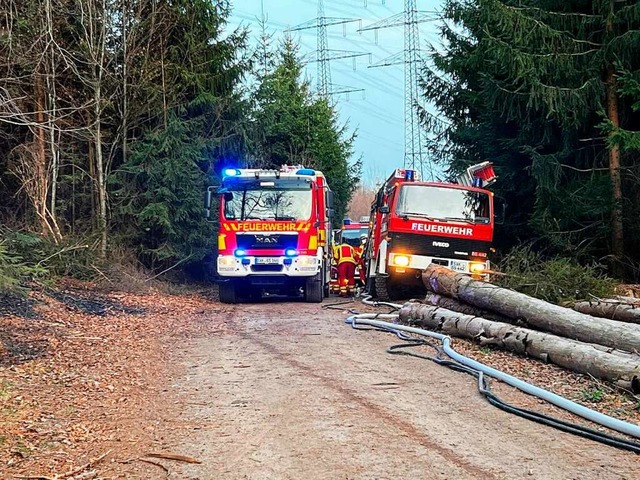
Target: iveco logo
441	244
269	239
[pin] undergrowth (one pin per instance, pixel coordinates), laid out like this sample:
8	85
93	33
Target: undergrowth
557	280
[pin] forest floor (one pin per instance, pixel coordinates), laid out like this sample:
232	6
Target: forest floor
109	385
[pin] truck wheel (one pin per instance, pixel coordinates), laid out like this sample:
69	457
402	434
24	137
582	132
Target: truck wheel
228	292
313	290
381	287
371	287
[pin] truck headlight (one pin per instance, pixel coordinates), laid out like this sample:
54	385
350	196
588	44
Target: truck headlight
226	261
475	267
306	260
401	260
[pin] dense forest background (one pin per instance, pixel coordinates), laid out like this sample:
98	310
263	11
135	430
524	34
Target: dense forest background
116	114
550	92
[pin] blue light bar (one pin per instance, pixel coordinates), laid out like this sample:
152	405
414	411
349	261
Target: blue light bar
231	172
306	171
240	252
291	252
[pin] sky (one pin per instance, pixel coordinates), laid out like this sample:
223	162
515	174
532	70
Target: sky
377	114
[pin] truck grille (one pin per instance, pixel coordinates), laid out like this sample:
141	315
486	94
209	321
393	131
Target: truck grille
266	268
436	246
261	241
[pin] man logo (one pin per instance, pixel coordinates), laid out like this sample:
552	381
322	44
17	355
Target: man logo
267	240
441	244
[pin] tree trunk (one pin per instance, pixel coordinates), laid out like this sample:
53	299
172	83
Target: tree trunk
437	300
537	313
617	238
613	309
617	367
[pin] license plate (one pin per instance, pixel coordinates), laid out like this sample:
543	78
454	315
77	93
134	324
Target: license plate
458	266
267	260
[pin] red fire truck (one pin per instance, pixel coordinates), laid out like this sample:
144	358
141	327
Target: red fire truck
417	223
275	231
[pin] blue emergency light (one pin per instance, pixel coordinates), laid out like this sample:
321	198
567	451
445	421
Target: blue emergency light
240	252
291	252
231	172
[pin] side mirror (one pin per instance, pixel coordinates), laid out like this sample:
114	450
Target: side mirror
228	196
384	209
329	200
330	213
207	201
379	198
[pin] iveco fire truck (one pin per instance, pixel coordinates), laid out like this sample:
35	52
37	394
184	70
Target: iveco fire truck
417	223
274	233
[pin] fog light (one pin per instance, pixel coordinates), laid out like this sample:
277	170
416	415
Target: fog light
477	267
401	260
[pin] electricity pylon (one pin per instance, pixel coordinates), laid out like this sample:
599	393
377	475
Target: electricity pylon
414	155
323	55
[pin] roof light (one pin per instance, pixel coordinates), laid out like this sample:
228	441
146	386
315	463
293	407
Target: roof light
231	172
306	171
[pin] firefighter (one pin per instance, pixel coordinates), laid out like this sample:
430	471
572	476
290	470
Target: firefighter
346	261
359	255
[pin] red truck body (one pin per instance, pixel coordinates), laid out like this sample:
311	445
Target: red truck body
417	223
274	233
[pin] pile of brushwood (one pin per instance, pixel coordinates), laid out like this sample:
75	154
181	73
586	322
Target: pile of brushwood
582	339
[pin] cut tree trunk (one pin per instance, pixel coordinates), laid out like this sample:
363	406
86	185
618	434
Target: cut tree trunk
537	313
614	366
613	309
438	300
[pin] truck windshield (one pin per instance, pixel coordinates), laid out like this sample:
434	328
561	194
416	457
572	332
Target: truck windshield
443	203
352	236
272	204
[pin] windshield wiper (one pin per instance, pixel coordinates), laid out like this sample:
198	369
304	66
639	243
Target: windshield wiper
288	218
458	219
405	215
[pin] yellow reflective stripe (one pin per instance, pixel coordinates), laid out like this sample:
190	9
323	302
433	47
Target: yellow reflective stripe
222	244
313	242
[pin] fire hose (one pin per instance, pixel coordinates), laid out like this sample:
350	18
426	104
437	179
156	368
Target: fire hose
461	363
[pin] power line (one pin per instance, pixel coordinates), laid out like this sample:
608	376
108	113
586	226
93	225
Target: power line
414	154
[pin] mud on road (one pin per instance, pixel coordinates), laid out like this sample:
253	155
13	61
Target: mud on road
289	391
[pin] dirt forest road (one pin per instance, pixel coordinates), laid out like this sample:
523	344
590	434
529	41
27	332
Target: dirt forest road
291	392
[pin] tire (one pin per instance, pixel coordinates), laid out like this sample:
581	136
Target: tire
228	292
382	287
325	283
314	289
371	287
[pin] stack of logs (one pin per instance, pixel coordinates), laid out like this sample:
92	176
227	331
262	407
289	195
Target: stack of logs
607	348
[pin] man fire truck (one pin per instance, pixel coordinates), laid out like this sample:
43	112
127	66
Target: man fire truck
417	223
274	235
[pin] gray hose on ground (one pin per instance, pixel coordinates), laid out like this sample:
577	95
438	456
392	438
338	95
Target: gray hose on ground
557	400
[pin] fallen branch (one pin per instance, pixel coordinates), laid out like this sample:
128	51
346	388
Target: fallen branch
173	456
157	464
61	476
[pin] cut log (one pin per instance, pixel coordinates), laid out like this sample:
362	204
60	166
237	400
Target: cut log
613	309
438	300
537	313
617	367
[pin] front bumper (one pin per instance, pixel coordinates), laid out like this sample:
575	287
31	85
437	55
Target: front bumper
401	262
299	266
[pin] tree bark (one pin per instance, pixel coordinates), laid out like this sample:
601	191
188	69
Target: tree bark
614	366
437	300
617	234
613	309
537	313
